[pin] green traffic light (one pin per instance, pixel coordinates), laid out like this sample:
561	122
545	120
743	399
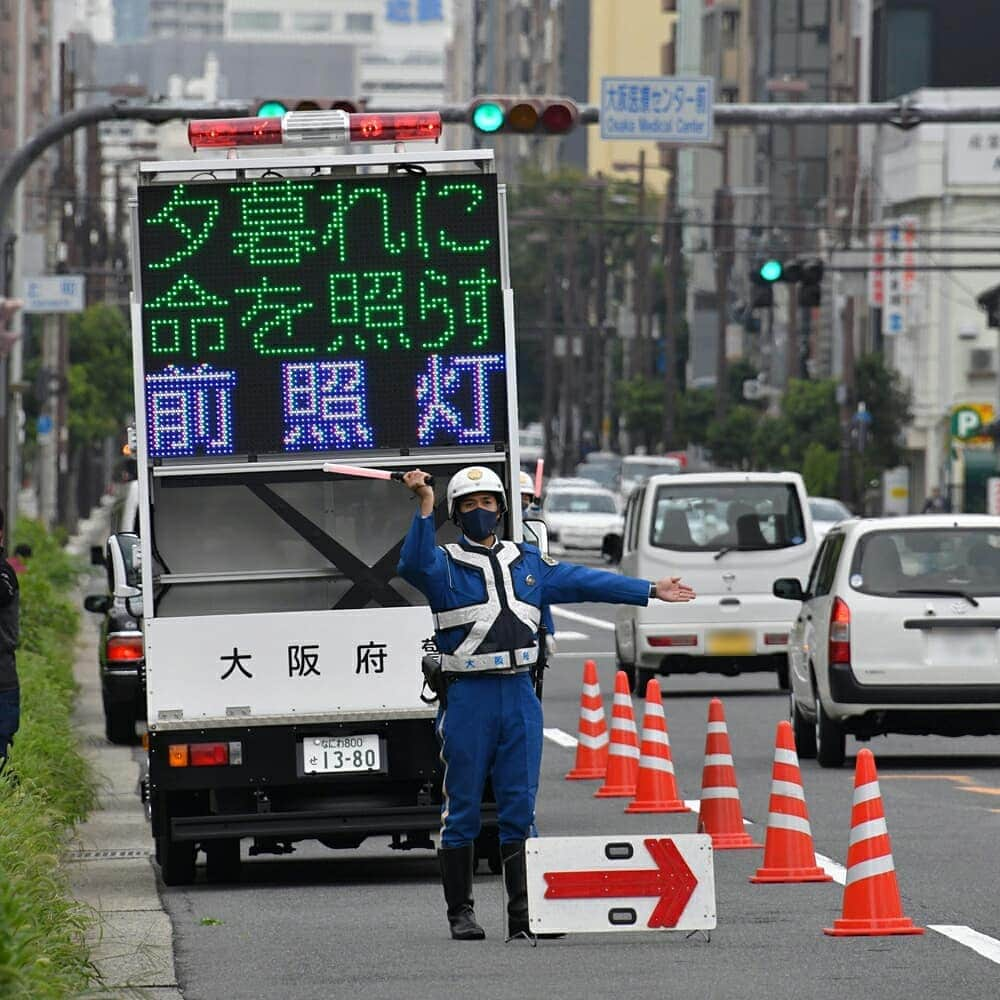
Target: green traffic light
271	109
771	270
488	117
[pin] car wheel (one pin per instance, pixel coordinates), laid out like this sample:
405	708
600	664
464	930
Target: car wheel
119	723
222	859
831	741
630	672
176	859
784	682
642	678
803	730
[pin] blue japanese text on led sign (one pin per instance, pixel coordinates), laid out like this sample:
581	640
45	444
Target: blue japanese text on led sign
321	314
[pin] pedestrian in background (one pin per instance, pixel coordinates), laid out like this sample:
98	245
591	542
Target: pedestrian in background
10	691
487	597
935	503
19	560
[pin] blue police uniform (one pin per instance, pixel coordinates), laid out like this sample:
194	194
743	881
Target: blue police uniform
487	604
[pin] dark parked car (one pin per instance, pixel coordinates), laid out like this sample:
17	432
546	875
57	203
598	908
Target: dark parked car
120	648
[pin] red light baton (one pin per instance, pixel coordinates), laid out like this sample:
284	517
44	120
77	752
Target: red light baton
539	467
364	472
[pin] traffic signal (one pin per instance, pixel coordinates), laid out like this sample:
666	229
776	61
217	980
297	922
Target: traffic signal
8	309
762	278
810	282
275	107
551	115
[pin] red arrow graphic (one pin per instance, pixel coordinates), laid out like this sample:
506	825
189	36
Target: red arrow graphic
672	880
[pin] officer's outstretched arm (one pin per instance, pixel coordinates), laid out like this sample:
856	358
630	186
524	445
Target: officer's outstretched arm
569	583
421	562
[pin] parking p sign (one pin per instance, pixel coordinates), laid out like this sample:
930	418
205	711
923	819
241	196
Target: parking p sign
968	420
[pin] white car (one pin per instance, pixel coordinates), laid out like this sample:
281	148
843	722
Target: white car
826	512
579	518
729	535
637	469
899	632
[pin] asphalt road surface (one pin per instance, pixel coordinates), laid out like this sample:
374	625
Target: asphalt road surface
371	923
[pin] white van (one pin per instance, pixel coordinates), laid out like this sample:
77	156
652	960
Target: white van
729	535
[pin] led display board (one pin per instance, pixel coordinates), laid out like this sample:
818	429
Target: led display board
320	314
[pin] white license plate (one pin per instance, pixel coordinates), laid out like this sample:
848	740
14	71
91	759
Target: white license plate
959	648
340	754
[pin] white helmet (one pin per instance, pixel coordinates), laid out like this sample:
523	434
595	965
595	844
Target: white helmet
527	486
475	479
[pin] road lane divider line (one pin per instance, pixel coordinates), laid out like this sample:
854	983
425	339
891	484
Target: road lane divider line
833	868
981	944
561	636
561	738
575	616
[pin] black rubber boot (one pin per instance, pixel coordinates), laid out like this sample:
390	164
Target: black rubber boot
515	877
457	864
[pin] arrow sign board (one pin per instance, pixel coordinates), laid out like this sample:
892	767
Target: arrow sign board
629	883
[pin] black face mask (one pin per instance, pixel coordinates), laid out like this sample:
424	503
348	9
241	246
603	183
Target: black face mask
478	524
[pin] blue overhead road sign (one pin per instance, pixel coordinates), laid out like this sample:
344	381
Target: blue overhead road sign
674	109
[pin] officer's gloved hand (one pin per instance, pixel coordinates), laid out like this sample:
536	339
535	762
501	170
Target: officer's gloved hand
550	644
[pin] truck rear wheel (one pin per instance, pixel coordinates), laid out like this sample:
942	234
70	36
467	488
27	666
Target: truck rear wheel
176	860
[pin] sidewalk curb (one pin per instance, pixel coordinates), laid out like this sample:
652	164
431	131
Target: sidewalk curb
108	860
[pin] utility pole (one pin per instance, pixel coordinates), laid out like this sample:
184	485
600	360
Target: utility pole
600	403
723	245
672	264
845	397
549	375
641	295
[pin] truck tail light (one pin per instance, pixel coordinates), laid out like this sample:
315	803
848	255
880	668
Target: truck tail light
204	754
314	128
673	640
124	648
840	632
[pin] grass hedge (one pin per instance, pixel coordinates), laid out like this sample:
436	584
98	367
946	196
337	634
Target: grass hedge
47	789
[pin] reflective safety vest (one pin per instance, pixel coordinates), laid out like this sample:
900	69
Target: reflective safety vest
502	629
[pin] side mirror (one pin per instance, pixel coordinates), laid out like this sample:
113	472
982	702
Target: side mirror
536	532
611	548
789	589
97	603
96	555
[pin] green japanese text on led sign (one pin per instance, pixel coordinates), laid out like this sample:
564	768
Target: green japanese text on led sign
320	314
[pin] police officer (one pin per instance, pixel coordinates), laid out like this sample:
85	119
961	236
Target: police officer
487	596
527	488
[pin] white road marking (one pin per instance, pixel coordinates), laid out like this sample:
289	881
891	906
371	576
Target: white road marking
560	636
833	868
584	619
563	739
981	944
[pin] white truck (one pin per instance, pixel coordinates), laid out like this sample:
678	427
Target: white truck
292	309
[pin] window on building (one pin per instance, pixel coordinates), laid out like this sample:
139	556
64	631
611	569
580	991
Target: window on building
256	20
312	22
359	23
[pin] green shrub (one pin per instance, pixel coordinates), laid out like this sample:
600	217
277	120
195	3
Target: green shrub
47	788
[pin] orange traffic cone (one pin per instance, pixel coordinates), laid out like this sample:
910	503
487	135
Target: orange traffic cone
623	752
788	847
721	815
656	787
592	737
872	905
